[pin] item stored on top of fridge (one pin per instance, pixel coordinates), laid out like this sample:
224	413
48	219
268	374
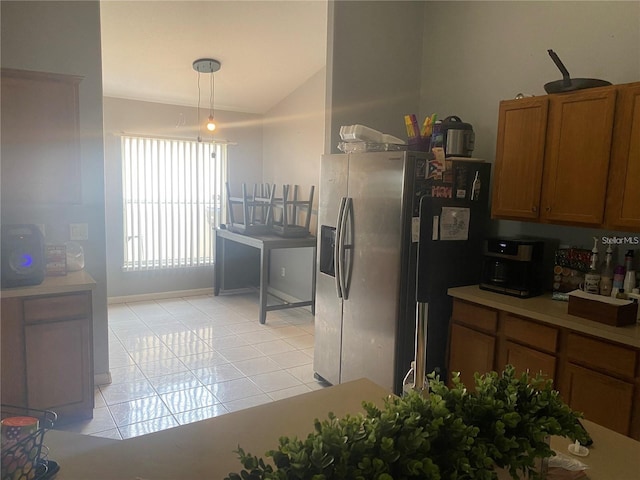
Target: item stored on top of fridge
361	147
458	137
360	133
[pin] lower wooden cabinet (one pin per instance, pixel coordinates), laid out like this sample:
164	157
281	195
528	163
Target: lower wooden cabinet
603	399
528	359
47	353
471	351
594	376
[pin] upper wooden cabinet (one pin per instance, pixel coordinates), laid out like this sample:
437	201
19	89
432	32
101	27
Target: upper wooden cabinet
577	155
517	181
40	138
623	198
563	158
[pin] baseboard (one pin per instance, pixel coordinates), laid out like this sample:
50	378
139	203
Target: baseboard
159	296
102	378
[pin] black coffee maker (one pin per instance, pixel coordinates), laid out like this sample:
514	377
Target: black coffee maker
513	266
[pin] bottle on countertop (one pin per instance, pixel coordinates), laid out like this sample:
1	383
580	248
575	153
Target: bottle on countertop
606	273
592	277
621	294
618	279
630	276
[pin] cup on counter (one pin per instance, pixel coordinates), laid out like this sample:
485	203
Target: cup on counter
15	429
19	454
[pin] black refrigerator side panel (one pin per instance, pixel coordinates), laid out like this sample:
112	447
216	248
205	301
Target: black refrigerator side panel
444	263
415	185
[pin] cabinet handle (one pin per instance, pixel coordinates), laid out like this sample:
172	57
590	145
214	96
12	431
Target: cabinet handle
548	209
534	208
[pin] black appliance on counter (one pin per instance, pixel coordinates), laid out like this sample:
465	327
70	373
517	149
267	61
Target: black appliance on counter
23	261
513	266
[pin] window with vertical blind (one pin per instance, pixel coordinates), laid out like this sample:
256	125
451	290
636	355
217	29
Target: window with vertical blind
172	200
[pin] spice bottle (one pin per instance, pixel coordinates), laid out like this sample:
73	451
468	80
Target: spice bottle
606	273
592	277
630	276
618	279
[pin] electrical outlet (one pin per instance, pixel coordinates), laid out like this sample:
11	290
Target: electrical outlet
79	231
282	272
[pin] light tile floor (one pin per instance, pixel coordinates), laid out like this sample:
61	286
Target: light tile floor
180	360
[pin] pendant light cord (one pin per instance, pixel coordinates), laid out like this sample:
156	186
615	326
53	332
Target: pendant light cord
199	126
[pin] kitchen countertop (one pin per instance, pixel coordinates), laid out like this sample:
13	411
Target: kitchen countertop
205	449
546	310
71	282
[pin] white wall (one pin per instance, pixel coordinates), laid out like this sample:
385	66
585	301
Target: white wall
64	37
476	54
293	144
373	65
147	118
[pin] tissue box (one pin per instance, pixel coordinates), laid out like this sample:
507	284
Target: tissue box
602	309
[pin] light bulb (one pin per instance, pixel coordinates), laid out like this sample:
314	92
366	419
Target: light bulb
211	125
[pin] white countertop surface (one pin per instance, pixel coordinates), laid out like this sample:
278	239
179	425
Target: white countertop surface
71	282
546	310
204	450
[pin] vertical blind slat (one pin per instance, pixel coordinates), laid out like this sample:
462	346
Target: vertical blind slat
171	202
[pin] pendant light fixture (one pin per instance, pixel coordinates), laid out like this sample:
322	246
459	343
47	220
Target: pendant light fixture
210	66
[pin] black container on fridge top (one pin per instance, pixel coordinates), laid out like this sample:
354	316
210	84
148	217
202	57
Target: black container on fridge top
459	138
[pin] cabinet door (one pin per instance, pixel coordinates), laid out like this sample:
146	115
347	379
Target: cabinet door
519	158
527	359
13	366
59	371
40	138
577	156
470	352
604	400
623	207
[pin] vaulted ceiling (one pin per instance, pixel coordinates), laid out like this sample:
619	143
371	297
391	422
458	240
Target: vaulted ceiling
267	49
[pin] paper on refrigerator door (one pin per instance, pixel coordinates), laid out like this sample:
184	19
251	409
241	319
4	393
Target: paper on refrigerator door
415	229
454	223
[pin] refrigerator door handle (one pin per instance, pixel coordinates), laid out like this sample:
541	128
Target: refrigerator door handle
337	249
346	256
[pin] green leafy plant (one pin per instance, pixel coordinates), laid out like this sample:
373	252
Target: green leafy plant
451	434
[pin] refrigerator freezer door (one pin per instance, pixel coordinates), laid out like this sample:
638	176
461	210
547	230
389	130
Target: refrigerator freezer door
328	318
370	315
443	263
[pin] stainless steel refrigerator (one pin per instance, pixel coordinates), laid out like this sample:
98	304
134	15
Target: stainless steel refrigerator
368	236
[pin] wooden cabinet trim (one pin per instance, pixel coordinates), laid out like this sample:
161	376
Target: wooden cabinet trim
475	316
604	356
57	307
530	333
